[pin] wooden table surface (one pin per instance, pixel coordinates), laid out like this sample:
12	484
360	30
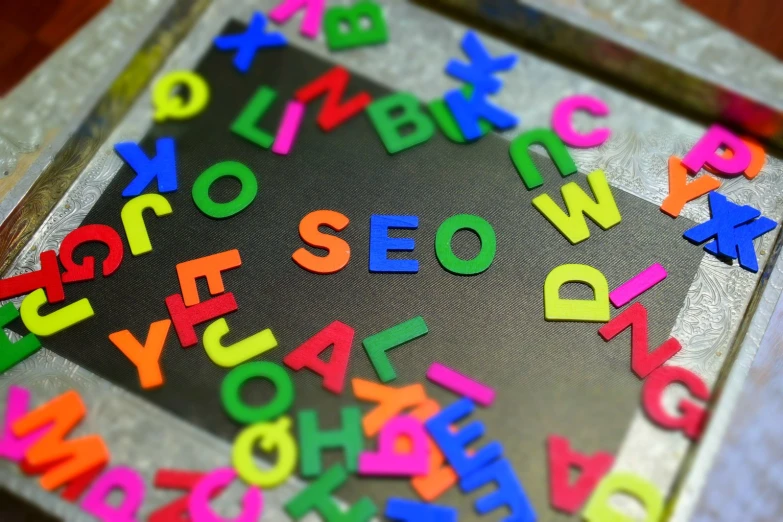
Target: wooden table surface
758	21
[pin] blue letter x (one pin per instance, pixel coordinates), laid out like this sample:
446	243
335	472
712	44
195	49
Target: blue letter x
480	71
249	42
734	228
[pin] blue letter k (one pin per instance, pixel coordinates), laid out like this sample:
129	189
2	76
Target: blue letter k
469	112
162	166
734	228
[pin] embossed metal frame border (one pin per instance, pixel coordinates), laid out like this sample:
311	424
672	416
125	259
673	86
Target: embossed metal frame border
593	42
129	423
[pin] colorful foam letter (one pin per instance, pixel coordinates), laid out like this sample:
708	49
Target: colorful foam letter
334	112
563	125
339	251
481	68
50	324
726	217
163	166
311	23
170	106
365	21
637	285
176	511
247	44
523	161
270	437
599	509
318	497
198	502
454	443
445	120
643	362
209	267
122	478
693	418
245	124
86	270
48	278
591	310
387	461
469	111
705	152
460	384
445	254
289	128
680	191
73	489
405	510
12	353
65	460
239	410
758	157
337	335
389	127
381	243
377	345
312	440
391	402
185	318
592	468
509	493
743	240
734	228
238	352
440	476
133	220
145	358
603	211
17	402
232	169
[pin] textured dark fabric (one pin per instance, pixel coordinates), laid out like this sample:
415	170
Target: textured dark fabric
551	377
17	509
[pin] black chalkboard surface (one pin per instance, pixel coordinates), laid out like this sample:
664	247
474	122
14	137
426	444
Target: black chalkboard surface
551	377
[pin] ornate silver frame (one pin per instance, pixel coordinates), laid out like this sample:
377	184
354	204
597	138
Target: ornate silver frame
716	324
